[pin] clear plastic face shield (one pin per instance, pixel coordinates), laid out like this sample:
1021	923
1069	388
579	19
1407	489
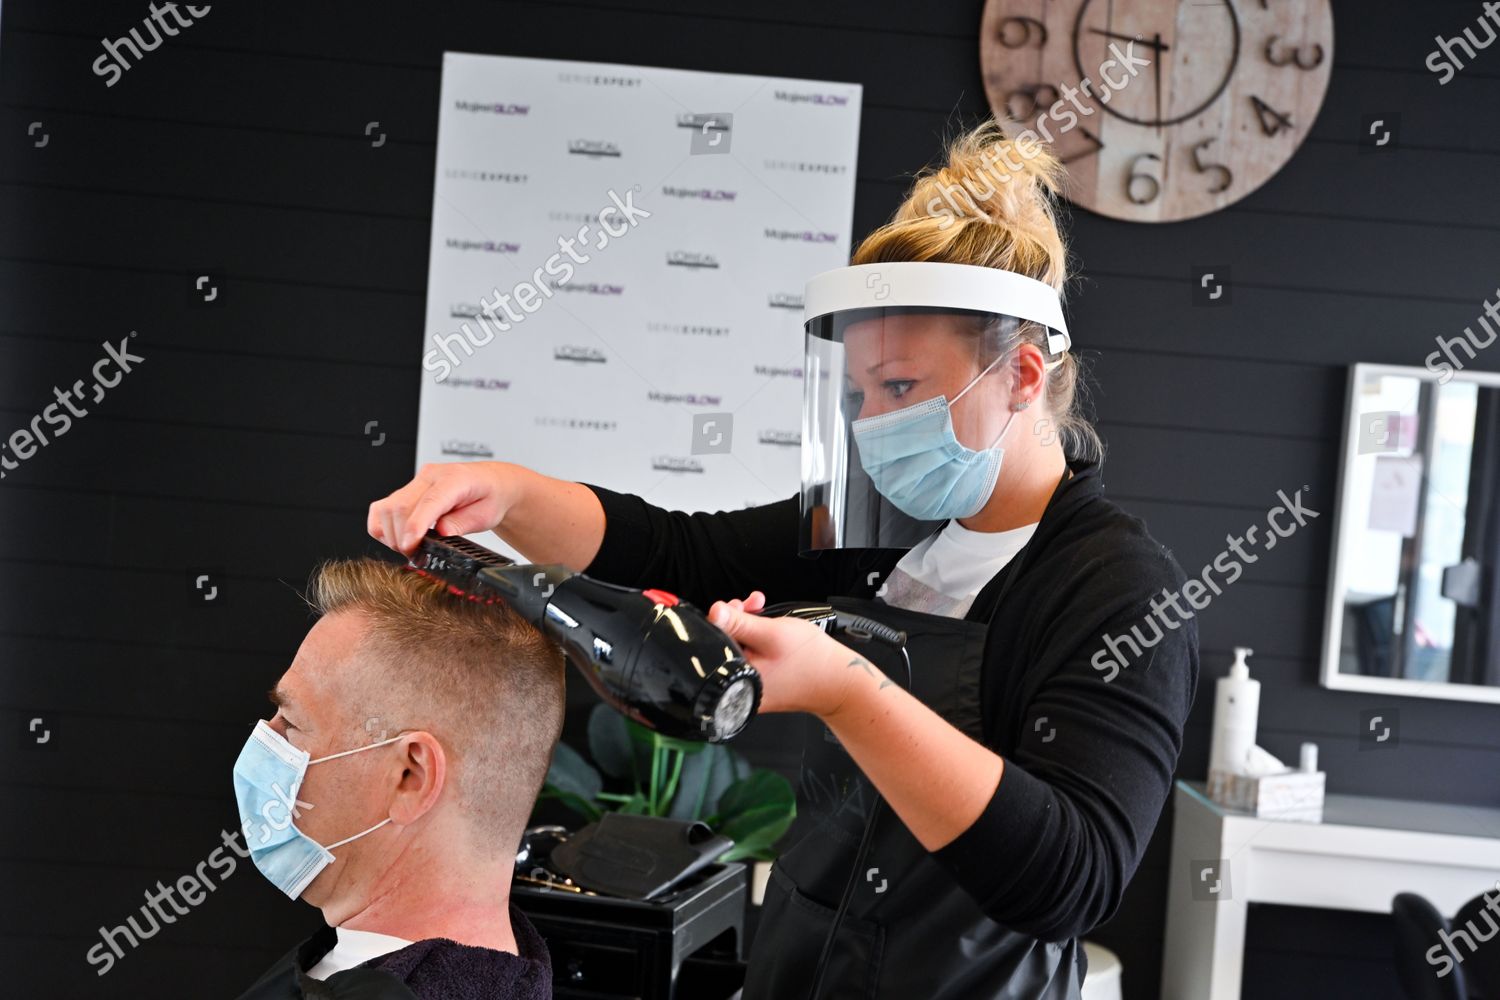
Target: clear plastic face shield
906	402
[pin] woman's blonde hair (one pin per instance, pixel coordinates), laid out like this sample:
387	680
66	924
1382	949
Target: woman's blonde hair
994	205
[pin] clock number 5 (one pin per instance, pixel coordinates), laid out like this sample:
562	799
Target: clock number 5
1138	175
1204	168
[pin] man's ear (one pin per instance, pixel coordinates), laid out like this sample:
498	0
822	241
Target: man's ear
424	772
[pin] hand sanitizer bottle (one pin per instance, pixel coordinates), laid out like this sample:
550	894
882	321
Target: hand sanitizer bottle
1236	708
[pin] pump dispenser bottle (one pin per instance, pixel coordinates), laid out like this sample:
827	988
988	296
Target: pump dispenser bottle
1245	777
1236	708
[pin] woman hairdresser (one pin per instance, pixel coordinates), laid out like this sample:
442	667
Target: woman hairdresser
968	811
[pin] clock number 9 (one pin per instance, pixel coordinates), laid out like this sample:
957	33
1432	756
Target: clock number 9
1028	27
1204	168
1138	175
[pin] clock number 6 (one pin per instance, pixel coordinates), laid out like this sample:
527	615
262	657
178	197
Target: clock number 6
1204	168
1137	175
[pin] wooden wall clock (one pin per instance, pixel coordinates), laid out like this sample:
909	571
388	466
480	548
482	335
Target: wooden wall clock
1213	96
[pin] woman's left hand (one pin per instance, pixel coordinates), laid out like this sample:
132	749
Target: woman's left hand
799	663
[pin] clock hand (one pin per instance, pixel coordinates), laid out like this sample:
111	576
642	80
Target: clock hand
1155	44
1156	66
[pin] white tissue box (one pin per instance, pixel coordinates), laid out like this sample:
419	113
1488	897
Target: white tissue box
1292	795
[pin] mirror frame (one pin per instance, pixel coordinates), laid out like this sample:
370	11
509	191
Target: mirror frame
1333	620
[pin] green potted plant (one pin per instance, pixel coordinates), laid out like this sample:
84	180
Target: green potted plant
660	776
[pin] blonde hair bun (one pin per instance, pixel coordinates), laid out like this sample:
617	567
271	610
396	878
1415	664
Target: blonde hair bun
993	203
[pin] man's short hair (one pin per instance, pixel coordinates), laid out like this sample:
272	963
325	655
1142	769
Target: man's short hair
480	678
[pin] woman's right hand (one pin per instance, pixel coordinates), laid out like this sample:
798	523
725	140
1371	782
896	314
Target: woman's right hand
458	498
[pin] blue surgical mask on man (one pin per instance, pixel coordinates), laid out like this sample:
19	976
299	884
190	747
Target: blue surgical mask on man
916	461
267	776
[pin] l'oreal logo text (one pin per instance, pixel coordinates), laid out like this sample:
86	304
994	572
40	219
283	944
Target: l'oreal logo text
467	449
691	258
673	463
592	147
576	352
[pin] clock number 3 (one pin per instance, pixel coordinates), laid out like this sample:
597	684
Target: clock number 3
1295	56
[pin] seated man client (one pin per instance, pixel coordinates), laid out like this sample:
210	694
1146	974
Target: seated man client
412	734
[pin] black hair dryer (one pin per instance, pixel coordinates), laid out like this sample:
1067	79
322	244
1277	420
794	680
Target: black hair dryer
649	655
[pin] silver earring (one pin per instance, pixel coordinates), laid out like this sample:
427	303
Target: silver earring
1018	407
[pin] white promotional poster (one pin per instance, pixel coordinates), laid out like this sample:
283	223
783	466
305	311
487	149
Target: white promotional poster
618	260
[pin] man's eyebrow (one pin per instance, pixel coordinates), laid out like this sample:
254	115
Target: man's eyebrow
278	697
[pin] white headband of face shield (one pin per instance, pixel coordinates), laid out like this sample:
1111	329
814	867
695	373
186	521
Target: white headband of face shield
934	283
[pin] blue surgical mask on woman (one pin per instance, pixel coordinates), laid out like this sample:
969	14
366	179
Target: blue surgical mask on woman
267	777
916	461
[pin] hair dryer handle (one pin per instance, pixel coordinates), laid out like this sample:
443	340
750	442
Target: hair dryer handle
830	619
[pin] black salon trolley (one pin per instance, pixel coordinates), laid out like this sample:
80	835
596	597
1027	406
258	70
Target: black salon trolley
688	945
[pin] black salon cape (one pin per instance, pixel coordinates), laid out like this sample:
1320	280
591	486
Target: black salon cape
432	969
1088	760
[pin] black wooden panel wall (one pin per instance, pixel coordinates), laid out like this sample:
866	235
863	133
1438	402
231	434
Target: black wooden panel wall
238	447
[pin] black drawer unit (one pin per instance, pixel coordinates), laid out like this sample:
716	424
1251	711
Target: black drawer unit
688	945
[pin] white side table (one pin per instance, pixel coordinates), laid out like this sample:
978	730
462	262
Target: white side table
1364	852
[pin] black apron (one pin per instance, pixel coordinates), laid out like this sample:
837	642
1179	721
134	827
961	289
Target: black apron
431	967
910	930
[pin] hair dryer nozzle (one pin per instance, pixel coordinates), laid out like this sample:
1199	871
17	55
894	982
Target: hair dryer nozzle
460	564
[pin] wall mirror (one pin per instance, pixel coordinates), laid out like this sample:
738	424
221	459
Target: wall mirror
1412	603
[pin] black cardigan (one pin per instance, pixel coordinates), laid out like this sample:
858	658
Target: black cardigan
429	969
1089	750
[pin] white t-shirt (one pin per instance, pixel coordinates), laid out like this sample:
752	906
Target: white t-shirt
354	948
943	573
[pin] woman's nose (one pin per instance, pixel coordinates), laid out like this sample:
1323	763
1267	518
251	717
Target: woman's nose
870	406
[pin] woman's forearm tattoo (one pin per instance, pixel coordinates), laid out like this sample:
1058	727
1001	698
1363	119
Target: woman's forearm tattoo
864	665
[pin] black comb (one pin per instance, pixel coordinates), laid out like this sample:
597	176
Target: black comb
460	564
